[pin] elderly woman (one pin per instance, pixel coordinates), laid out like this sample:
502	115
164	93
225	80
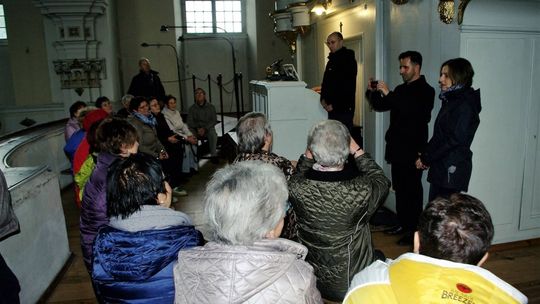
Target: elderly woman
177	125
145	123
116	138
448	154
333	203
134	254
246	262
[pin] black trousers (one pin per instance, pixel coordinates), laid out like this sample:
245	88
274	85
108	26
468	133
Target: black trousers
9	285
438	191
172	167
344	117
407	183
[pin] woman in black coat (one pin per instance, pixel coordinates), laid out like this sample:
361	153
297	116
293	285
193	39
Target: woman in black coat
448	154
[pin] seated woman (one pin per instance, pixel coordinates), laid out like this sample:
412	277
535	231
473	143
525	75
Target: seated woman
247	262
116	138
145	124
254	143
134	254
177	125
333	204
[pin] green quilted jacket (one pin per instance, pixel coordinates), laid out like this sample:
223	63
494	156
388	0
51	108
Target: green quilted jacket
333	211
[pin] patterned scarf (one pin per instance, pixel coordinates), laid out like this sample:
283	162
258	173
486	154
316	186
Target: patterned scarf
444	94
148	120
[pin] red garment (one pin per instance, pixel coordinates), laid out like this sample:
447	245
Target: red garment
80	156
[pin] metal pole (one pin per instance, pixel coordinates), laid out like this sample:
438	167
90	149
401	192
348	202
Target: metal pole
209	87
241	90
193	79
220	86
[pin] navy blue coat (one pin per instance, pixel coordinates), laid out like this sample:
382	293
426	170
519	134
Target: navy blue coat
137	267
448	153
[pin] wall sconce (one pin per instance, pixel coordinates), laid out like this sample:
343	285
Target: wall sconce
321	6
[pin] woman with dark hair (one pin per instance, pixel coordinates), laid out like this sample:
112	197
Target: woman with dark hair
104	103
145	123
116	138
134	254
448	154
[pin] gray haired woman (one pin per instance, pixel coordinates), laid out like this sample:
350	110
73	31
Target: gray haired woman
333	203
246	261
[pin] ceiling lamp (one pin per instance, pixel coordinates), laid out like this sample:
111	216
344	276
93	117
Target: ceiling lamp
321	6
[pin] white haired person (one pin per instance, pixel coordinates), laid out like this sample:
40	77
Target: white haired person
246	261
333	203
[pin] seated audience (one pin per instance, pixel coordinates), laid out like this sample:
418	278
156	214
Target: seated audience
254	143
173	145
145	123
105	104
246	262
134	254
333	205
75	140
201	121
452	242
116	138
124	111
73	124
177	125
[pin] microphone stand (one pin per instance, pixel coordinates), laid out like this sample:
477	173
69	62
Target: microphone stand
181	98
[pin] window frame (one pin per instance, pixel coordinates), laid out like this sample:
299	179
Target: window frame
215	31
4	40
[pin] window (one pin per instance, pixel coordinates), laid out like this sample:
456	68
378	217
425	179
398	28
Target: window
3	32
214	16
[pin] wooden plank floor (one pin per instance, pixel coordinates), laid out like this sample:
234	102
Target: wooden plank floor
516	263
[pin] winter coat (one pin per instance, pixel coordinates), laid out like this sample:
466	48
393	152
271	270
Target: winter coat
410	106
175	122
148	139
269	271
448	154
147	85
201	117
9	224
94	205
333	211
136	266
338	87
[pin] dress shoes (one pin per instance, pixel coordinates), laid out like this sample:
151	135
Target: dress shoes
394	230
406	240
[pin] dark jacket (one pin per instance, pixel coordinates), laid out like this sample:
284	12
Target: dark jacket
148	139
147	85
137	267
333	211
448	153
410	106
94	206
338	87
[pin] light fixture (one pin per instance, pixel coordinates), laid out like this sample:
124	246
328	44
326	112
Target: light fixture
446	11
321	6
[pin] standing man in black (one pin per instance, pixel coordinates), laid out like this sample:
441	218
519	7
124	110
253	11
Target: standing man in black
410	106
147	83
338	87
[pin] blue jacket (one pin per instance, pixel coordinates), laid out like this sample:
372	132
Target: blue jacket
137	267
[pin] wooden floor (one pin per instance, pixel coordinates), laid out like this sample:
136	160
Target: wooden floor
516	263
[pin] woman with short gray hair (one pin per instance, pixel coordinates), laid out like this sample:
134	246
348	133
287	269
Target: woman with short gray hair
333	202
246	261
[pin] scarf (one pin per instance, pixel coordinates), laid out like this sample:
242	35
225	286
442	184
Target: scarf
148	120
444	94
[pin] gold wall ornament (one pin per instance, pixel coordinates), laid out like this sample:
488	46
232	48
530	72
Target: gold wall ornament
461	10
399	2
446	11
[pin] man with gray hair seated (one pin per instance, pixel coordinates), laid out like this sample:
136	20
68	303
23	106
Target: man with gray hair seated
246	261
333	202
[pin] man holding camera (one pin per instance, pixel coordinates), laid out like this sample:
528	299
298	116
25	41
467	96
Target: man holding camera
410	106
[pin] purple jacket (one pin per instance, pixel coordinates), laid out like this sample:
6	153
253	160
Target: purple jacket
94	206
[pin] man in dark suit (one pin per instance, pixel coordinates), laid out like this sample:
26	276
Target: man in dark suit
147	82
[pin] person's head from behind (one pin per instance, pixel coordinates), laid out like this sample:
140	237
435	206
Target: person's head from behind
133	182
104	103
76	108
126	99
144	64
246	202
334	42
93	117
329	142
200	96
140	105
458	229
253	132
457	71
117	136
410	64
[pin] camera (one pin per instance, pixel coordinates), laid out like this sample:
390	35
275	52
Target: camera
373	84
